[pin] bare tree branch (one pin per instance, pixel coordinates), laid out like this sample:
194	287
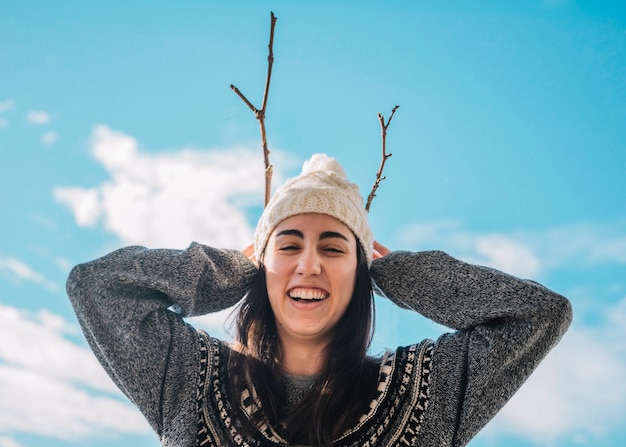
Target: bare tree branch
385	156
260	113
248	103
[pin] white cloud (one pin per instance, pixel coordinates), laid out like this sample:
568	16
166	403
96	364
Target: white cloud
56	356
49	137
496	250
6	105
64	264
3	122
47	383
18	271
506	254
522	252
41	405
171	199
38	117
85	203
5	441
578	392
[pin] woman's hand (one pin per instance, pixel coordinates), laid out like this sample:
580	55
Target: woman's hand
380	251
249	252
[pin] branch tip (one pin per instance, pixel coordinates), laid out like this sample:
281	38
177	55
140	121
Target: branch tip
385	156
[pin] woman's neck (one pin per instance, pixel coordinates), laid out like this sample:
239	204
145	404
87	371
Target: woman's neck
301	358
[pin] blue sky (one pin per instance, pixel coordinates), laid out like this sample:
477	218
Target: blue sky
117	126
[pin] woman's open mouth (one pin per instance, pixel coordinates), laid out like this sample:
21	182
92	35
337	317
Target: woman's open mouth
305	294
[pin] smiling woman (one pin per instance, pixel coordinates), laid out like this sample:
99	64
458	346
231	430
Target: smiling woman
298	372
306	304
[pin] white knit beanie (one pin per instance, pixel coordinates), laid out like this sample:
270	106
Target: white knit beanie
321	187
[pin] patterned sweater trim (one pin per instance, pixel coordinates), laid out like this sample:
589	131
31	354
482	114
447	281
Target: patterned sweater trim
394	417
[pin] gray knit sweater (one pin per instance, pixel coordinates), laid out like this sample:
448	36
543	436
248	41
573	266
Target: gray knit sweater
430	394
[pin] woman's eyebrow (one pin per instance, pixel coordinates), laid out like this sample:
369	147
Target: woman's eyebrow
300	234
291	232
332	234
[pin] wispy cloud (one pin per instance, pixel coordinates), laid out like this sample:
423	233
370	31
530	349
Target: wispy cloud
49	137
6	105
50	386
16	270
170	199
500	251
38	117
524	253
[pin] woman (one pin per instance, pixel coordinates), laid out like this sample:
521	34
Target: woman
298	373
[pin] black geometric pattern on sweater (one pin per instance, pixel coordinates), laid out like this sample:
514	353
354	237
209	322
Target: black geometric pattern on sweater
394	417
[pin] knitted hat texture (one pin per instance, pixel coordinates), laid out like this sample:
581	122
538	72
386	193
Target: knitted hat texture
321	187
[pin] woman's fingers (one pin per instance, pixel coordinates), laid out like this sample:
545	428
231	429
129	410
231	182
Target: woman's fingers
380	250
249	252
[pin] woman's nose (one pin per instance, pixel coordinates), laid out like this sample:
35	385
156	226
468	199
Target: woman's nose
309	263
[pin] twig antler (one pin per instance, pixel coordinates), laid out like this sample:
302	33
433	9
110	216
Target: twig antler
260	113
379	177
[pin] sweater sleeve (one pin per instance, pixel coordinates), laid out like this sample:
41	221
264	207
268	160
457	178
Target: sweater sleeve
130	305
504	326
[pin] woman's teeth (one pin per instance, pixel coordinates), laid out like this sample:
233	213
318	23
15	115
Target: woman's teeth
305	294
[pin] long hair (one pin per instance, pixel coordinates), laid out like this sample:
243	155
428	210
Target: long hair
346	384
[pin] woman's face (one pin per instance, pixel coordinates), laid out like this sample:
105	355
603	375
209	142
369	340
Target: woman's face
310	263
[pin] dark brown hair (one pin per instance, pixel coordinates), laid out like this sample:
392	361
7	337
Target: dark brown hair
346	384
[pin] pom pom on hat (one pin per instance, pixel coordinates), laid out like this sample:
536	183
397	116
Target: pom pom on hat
322	162
321	187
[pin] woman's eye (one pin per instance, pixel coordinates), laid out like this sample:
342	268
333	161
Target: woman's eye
333	250
288	248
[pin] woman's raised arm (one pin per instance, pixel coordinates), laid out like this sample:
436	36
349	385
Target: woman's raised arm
130	304
504	327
